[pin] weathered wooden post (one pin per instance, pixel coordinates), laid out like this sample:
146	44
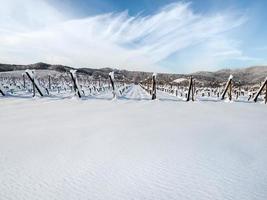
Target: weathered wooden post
2	92
230	91
260	90
75	83
33	89
190	90
249	96
194	90
239	89
35	84
154	90
111	78
99	83
178	88
49	82
24	81
228	87
47	91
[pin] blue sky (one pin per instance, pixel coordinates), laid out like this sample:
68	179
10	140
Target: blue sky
150	35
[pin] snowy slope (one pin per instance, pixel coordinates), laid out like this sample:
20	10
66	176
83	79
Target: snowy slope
95	149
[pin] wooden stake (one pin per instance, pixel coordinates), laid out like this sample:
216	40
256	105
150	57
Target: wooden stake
260	90
193	90
2	92
24	82
154	96
33	89
49	82
230	91
111	78
228	84
190	90
34	84
75	83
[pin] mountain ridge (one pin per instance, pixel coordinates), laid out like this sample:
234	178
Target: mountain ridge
248	75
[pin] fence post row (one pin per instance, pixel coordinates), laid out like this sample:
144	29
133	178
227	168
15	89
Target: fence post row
154	95
228	87
111	78
191	95
75	83
260	90
35	84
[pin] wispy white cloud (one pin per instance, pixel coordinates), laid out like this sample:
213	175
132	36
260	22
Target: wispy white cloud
34	31
27	15
222	48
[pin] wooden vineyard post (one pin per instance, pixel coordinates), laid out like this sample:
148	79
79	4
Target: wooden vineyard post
99	83
35	84
228	87
230	91
47	91
177	89
154	89
49	82
111	78
239	89
2	92
24	82
194	90
260	90
75	83
33	89
190	90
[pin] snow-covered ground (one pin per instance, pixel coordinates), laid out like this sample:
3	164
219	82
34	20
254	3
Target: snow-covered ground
132	148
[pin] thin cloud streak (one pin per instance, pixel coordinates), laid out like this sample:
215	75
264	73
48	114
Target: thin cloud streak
114	39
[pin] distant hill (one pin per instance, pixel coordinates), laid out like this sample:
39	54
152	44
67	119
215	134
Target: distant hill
36	66
251	75
244	76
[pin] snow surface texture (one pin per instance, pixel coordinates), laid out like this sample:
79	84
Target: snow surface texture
67	149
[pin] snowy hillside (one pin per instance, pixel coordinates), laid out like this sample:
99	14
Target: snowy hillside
132	148
246	76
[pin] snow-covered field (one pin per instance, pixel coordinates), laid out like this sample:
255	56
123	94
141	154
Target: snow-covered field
132	148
